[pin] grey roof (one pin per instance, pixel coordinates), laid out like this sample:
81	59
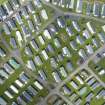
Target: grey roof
88	9
79	6
89	97
8	8
2	101
21	101
28	51
13	42
18	18
38	60
31	25
69	66
69	31
25	12
95	85
91	81
11	23
61	22
103	10
27	96
34	45
96	9
15	4
6	29
30	7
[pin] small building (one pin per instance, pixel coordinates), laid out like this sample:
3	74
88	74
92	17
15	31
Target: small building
34	45
53	29
103	28
79	6
63	72
95	85
73	96
88	9
30	64
19	83
14	63
89	97
15	4
67	90
103	11
31	25
61	22
79	40
13	42
32	90
25	32
78	101
74	84
8	94
76	26
69	31
11	23
95	42
44	14
38	85
30	7
62	3
24	12
28	51
8	8
86	34
69	66
42	74
82	54
23	78
100	94
37	3
60	58
19	38
56	77
73	45
47	34
8	68
14	89
2	53
3	101
44	54
80	80
20	100
49	48
6	29
66	52
96	9
41	40
101	37
89	49
4	74
90	28
91	81
26	95
37	19
57	43
38	60
102	72
18	18
70	4
3	13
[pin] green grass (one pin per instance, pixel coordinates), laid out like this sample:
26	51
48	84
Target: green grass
2	1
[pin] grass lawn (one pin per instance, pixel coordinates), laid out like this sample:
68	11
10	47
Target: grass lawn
2	1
